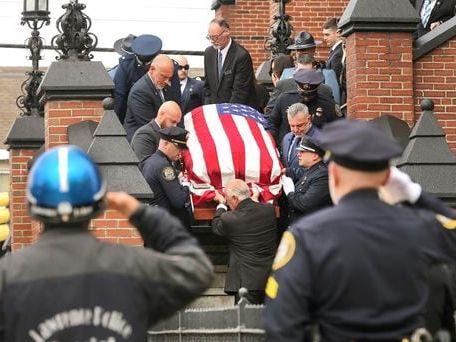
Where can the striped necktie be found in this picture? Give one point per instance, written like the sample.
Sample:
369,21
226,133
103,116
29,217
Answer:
220,62
426,11
292,149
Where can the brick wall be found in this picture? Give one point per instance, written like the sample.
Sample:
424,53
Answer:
380,75
20,224
113,227
435,78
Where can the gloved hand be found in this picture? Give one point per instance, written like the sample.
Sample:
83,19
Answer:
287,185
399,188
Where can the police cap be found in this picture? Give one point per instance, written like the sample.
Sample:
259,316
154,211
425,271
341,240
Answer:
358,145
308,79
176,135
146,46
310,144
123,45
304,40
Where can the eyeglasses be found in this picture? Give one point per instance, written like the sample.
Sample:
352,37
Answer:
216,36
185,67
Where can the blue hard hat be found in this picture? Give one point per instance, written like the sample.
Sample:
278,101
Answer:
65,185
146,45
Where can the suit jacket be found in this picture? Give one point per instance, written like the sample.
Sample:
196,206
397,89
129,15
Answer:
290,158
442,11
237,81
334,61
143,104
145,142
289,84
192,96
252,232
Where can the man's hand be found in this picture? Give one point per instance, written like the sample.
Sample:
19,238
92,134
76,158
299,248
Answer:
122,202
400,188
219,198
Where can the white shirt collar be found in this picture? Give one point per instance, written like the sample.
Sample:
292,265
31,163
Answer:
224,51
336,45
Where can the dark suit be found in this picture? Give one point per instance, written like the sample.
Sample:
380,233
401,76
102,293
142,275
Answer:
251,231
442,11
145,142
237,80
143,103
290,156
289,84
192,96
334,61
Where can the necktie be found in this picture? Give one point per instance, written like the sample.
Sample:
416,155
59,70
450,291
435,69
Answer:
220,62
292,149
160,92
426,12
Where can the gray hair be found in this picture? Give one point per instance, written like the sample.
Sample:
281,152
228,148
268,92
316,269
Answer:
297,108
238,188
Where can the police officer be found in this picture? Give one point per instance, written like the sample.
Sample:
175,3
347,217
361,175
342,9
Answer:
163,178
322,108
356,269
311,192
132,67
70,286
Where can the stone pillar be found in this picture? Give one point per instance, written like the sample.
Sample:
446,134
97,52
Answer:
25,137
379,58
73,92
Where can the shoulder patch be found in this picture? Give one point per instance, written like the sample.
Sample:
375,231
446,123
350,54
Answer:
285,251
272,287
446,222
168,173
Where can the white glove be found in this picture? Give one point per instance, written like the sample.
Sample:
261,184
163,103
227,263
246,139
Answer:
287,184
399,188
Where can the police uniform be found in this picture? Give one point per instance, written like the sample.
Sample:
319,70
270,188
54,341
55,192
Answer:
356,269
311,191
322,108
159,172
129,70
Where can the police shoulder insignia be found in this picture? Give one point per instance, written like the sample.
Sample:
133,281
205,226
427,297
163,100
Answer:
272,287
446,222
285,251
168,173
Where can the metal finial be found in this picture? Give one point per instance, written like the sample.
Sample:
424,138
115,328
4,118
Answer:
74,41
281,31
427,105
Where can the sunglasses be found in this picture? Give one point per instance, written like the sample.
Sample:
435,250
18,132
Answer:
185,67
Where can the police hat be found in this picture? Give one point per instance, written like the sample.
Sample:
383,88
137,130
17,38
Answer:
176,135
308,78
310,144
146,46
304,40
123,45
358,145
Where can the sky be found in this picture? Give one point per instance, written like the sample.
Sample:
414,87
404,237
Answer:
181,24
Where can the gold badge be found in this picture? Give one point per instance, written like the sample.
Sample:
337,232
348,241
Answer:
446,222
285,251
272,287
319,112
168,173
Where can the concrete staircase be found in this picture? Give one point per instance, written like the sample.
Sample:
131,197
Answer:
216,248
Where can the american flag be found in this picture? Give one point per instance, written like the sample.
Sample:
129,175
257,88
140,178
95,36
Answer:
228,141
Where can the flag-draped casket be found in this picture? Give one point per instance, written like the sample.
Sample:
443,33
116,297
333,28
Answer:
228,141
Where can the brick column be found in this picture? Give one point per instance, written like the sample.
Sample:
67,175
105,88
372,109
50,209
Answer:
25,137
379,58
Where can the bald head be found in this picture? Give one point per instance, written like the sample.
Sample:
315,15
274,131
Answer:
238,188
161,71
169,114
183,67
